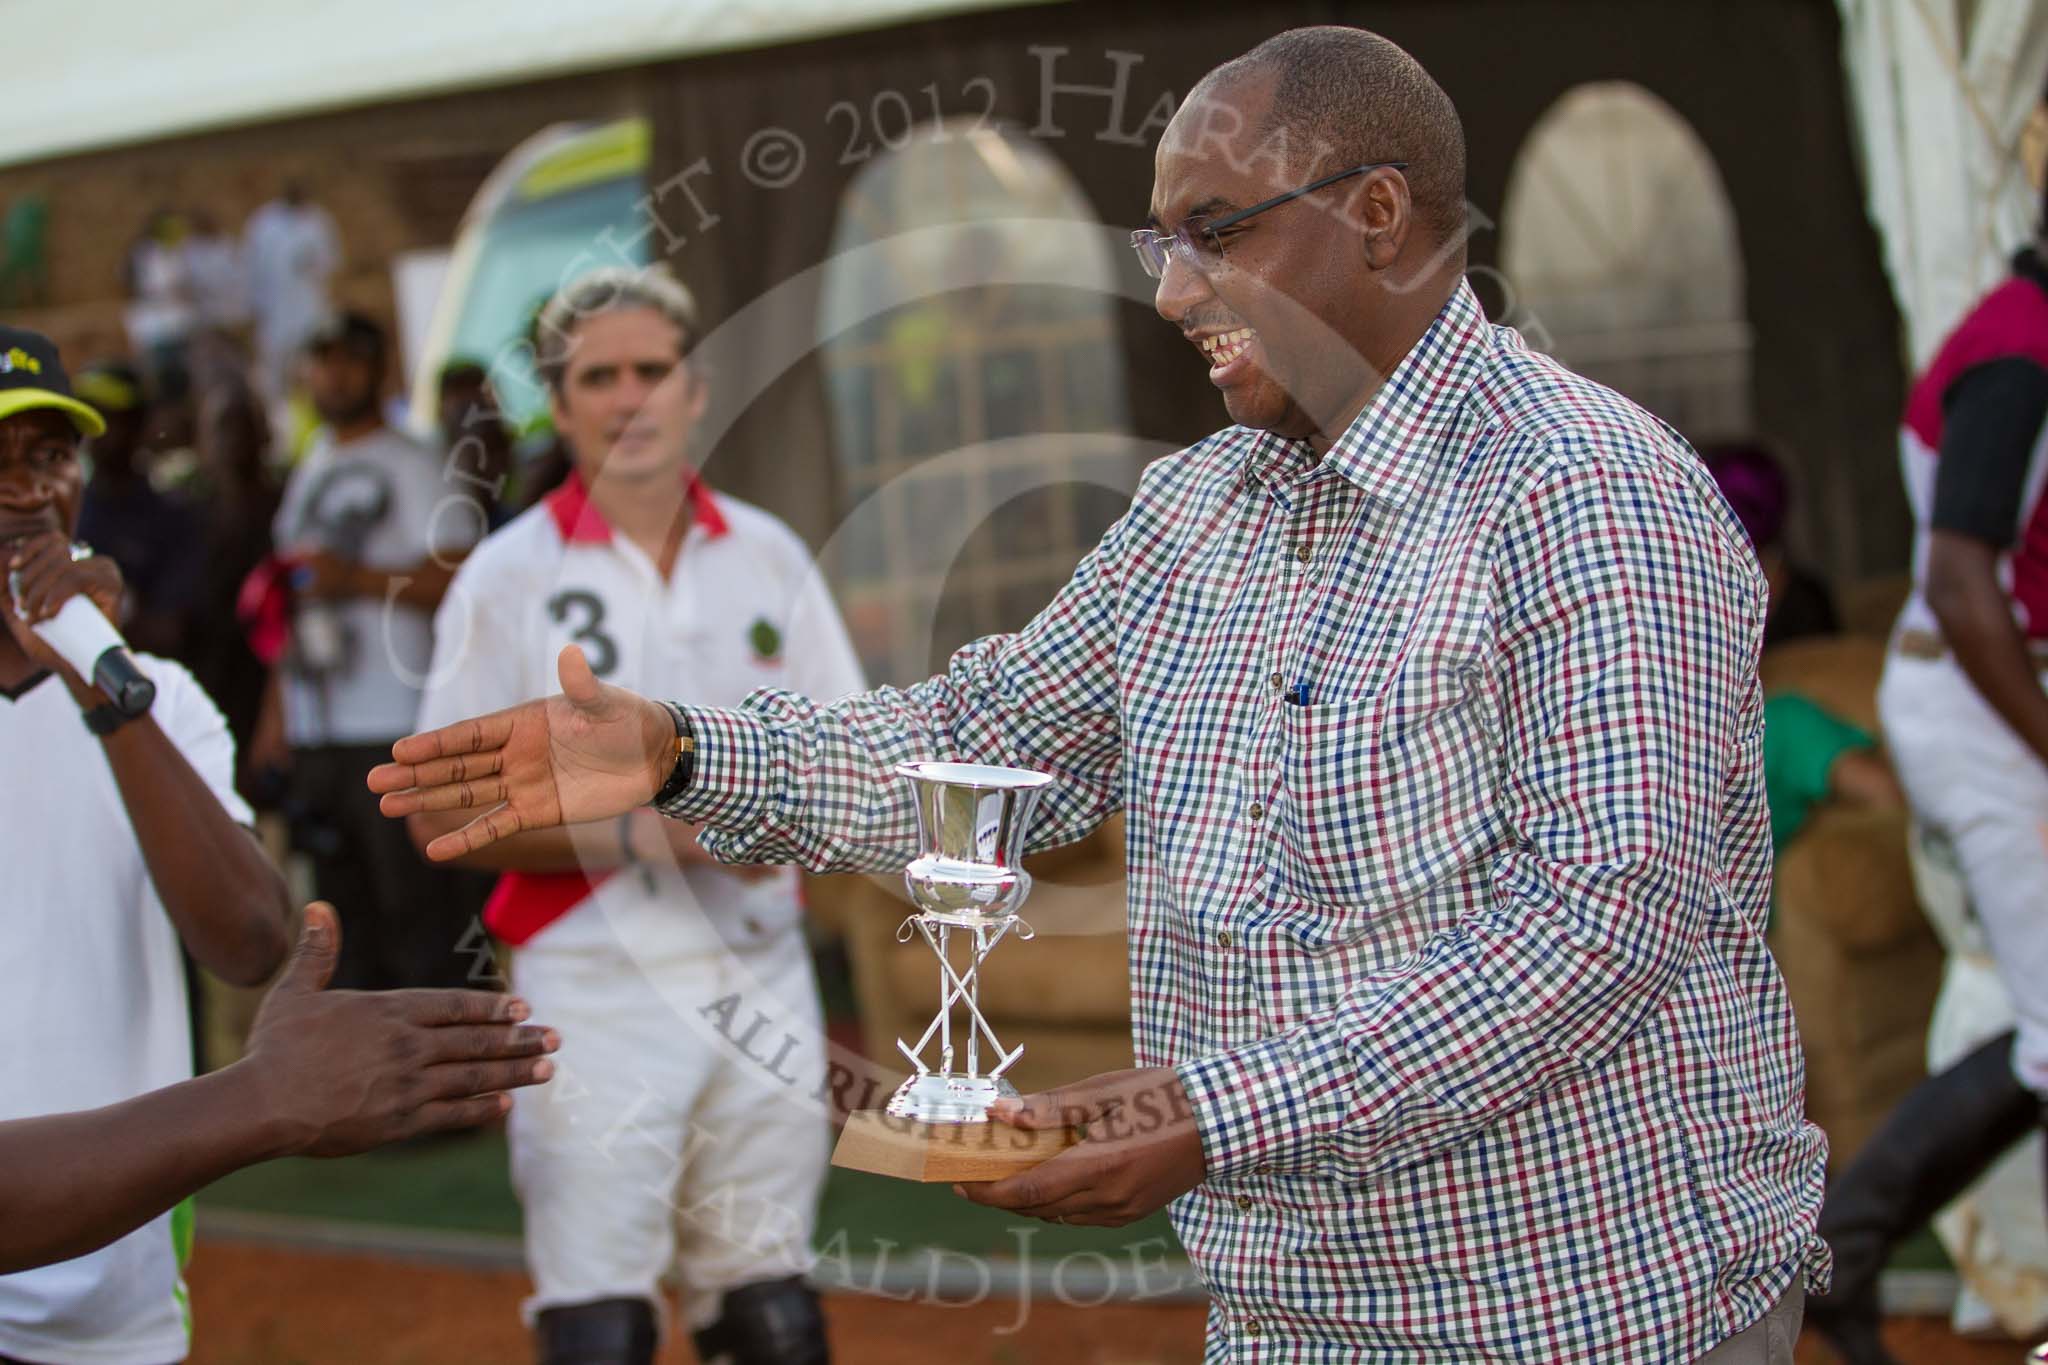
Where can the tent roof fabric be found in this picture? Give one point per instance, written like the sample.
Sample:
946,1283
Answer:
1943,92
103,73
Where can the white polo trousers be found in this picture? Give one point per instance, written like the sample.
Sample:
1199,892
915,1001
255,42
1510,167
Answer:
678,1130
1969,776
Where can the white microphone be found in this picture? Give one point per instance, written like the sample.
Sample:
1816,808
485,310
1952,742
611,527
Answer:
84,638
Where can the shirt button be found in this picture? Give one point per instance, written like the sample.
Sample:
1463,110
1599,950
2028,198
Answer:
1277,681
1256,811
1301,552
1251,1327
1244,1203
1263,1168
1224,939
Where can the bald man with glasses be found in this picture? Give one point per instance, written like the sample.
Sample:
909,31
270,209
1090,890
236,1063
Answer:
1428,688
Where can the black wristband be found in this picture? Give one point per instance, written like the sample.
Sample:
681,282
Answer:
686,761
106,718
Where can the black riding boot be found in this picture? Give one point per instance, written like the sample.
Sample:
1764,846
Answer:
1948,1131
776,1322
608,1332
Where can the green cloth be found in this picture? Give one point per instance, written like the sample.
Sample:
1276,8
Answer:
1801,743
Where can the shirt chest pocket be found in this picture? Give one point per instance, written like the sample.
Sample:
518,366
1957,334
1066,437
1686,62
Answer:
1383,797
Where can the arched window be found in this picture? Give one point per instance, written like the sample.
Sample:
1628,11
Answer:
968,341
1621,258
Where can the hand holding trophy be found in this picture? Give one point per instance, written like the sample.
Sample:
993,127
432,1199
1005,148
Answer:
966,881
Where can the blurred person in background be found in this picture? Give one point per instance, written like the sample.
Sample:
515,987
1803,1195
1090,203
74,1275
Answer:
123,841
545,470
160,314
291,250
367,525
1753,481
544,461
151,535
1811,755
235,499
622,926
1964,703
215,274
475,440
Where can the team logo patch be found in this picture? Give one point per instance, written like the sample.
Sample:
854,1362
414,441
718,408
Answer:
18,359
765,640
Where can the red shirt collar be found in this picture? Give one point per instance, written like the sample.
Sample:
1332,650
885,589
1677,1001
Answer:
581,523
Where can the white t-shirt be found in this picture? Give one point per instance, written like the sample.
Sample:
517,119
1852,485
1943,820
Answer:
743,609
219,284
380,500
161,313
92,997
290,252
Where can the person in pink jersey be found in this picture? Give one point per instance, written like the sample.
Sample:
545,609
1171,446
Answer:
1964,702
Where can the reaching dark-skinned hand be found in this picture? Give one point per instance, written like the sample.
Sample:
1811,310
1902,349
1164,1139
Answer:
343,1071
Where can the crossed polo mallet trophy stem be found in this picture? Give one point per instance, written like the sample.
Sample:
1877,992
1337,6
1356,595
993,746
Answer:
971,820
954,988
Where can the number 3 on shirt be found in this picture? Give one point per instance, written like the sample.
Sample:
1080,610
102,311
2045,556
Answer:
600,648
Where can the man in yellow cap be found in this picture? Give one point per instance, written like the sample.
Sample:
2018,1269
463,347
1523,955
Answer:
120,848
32,377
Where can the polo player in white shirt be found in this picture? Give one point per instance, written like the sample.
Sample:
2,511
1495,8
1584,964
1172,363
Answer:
682,1133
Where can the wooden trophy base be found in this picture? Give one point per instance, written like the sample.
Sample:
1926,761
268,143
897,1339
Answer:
877,1142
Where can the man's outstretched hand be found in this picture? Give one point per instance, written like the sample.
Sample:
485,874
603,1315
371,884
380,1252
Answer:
590,752
1141,1152
337,1072
327,1073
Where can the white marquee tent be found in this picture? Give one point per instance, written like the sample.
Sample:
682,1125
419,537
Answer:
100,73
1944,91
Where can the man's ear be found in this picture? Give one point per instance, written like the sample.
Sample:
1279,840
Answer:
697,394
557,413
1384,215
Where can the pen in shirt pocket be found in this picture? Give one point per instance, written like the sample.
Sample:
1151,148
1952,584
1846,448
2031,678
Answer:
1297,695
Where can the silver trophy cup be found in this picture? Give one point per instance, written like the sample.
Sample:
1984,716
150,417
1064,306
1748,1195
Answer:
966,879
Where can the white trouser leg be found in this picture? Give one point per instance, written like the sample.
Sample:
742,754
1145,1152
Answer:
749,1202
597,1152
1968,775
673,1110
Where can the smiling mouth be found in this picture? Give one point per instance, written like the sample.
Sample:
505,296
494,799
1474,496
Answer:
1222,348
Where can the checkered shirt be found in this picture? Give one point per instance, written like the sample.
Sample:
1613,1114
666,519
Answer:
1459,955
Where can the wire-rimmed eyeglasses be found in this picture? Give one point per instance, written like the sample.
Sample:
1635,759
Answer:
1200,244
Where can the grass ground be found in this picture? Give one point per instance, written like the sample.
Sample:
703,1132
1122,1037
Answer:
461,1185
269,1305
266,1304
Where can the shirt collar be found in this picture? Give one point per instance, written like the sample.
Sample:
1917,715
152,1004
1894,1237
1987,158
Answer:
1387,448
580,523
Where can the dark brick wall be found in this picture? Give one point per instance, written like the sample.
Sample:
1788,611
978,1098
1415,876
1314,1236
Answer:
396,177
